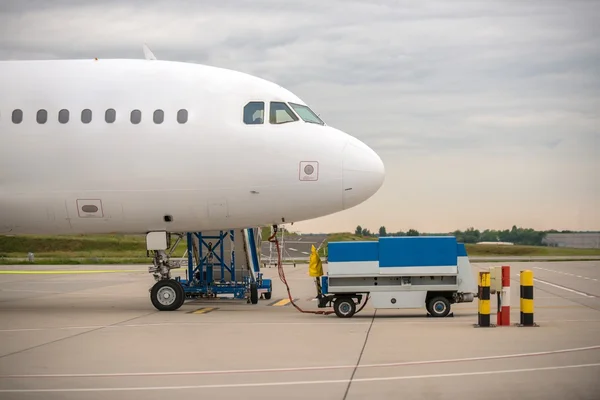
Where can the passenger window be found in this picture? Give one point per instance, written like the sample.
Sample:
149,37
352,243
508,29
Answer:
280,113
86,116
182,116
17,116
254,113
63,116
42,116
159,116
136,116
110,115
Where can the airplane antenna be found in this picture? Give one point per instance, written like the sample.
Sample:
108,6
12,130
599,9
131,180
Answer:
148,54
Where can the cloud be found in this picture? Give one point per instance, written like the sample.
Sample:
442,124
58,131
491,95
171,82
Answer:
497,82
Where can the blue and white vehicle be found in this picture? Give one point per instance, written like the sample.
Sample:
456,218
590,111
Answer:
398,272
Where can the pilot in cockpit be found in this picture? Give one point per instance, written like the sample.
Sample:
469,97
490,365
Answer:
254,113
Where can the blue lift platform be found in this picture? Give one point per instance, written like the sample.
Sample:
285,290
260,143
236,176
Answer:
201,280
216,267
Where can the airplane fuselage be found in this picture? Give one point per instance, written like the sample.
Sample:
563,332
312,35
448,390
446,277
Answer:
131,146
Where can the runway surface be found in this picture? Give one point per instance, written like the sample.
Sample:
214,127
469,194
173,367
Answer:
86,334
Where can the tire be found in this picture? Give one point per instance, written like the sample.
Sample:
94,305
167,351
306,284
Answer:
344,307
438,307
253,293
267,295
167,295
184,295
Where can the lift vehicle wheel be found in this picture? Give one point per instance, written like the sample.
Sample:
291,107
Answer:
344,307
438,306
253,293
167,295
267,295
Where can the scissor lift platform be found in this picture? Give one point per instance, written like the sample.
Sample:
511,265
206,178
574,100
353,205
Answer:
219,264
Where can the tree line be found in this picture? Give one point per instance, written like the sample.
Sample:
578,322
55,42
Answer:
516,235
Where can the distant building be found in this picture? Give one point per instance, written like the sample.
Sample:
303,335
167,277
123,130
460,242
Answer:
587,240
498,243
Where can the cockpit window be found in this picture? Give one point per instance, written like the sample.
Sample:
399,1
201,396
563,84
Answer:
254,113
280,113
307,114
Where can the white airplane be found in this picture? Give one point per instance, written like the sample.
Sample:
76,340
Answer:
153,147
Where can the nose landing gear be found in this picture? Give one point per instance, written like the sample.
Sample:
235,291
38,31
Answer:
167,295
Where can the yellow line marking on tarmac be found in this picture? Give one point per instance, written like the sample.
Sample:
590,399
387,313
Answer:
66,272
204,310
281,303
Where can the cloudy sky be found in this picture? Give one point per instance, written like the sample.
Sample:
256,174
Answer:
486,113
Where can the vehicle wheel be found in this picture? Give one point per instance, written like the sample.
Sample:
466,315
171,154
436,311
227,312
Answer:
344,307
438,306
253,293
167,295
267,295
184,295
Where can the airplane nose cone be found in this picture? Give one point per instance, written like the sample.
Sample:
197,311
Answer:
363,173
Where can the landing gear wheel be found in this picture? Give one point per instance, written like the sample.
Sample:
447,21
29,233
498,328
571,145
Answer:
184,295
253,293
438,307
344,307
167,295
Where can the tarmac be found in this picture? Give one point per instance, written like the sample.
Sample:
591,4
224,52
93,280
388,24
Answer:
90,332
